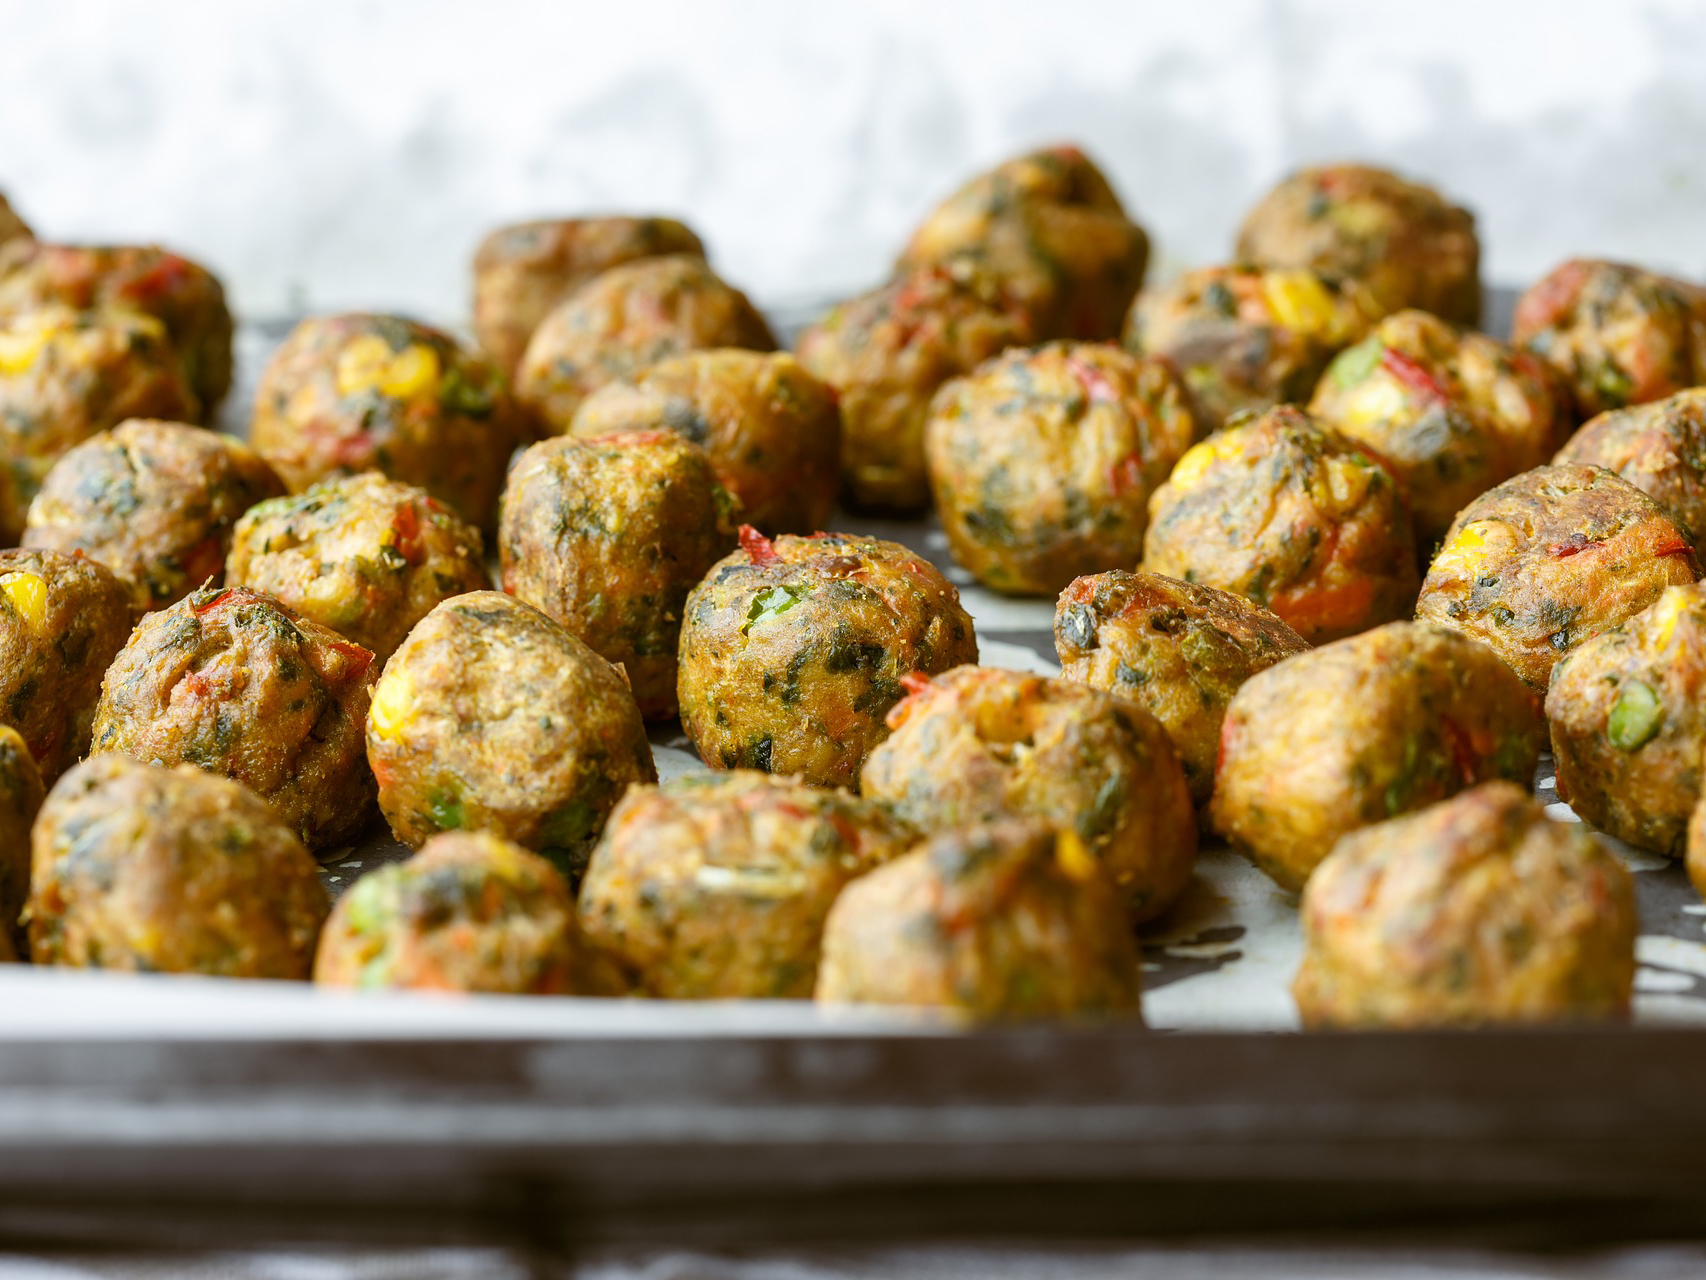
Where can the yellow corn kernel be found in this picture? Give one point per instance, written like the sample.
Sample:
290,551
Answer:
1299,301
1662,617
393,700
1347,482
1199,458
28,595
369,364
1074,856
413,370
1372,402
19,349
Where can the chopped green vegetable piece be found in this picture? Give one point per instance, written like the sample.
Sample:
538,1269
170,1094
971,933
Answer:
463,396
770,603
1352,366
1635,717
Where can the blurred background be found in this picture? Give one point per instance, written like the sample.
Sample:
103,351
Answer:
331,154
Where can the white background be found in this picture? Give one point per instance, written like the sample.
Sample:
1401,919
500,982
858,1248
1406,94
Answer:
324,155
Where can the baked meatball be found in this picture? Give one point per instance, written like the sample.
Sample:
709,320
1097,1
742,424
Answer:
154,502
469,912
1006,921
1618,335
20,798
978,744
1042,462
365,556
716,887
169,871
1245,338
1406,243
522,271
1351,734
887,351
793,652
1627,711
1292,515
1477,911
1178,650
607,535
63,618
491,717
11,225
1659,447
1548,558
67,375
628,318
773,430
1049,225
235,682
1450,413
183,296
352,393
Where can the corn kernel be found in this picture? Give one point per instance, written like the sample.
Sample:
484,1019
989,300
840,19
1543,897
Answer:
1199,458
1299,301
28,596
393,699
18,350
368,364
412,371
1665,614
1074,856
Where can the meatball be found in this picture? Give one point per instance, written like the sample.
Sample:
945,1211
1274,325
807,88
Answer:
717,887
626,319
183,296
773,430
1660,448
793,652
1049,225
1628,716
1537,565
469,912
491,717
68,375
1178,650
364,556
11,225
20,798
1450,413
1479,910
1043,462
607,535
63,618
522,271
154,502
1618,335
1359,731
1696,846
1404,242
1245,339
1293,516
235,682
887,351
352,393
169,871
1006,921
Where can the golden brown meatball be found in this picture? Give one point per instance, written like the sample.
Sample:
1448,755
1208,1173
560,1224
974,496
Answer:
1007,921
154,502
1628,716
169,871
1049,225
1244,338
1450,413
1539,564
1043,462
607,536
1477,911
773,430
353,393
1351,734
1177,650
20,798
1696,847
235,682
1293,516
887,351
67,375
977,745
625,320
1406,243
63,618
716,887
491,717
469,912
365,556
522,271
1659,447
11,225
793,652
1619,335
183,296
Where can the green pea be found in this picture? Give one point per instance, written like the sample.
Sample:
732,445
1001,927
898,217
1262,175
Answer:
1635,717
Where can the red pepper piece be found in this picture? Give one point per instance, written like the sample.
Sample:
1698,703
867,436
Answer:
1413,374
1674,545
406,525
915,682
1126,474
209,606
1093,380
1574,545
759,549
1462,748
